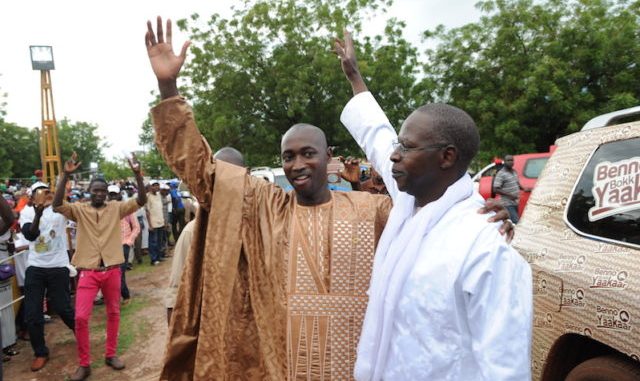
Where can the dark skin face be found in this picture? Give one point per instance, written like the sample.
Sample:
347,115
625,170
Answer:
155,188
98,192
304,160
427,169
508,161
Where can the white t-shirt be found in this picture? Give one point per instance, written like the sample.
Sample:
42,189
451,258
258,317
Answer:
50,248
20,258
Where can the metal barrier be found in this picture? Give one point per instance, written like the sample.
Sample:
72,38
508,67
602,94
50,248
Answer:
14,301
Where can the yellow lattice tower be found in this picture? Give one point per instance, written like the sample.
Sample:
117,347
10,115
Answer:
42,59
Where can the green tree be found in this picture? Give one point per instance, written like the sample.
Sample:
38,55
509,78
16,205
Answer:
83,138
116,169
270,65
153,165
19,151
531,71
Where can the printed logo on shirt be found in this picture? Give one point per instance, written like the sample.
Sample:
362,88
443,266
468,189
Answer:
634,356
571,263
613,318
42,246
609,279
573,298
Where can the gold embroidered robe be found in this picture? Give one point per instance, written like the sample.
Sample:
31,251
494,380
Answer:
271,290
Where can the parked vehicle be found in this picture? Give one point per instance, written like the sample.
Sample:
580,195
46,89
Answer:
581,234
528,166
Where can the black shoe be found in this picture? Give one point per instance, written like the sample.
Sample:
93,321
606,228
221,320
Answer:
81,373
114,362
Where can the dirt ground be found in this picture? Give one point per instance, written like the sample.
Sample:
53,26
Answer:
143,331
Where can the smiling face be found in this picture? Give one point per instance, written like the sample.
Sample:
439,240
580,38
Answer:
304,160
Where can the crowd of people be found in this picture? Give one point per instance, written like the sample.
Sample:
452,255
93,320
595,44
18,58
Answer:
404,281
71,250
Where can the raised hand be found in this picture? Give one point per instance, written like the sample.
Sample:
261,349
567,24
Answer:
347,55
345,51
351,172
134,164
72,164
165,64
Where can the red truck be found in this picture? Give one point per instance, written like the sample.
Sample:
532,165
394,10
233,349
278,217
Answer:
528,166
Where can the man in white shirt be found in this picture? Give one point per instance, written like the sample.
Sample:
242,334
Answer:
448,299
46,269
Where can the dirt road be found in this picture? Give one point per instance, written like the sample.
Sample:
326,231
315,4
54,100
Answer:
141,343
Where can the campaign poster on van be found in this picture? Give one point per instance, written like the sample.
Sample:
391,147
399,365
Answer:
616,188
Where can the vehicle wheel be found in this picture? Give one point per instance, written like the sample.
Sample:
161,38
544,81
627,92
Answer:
606,368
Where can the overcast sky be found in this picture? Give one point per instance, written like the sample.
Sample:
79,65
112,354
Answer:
102,73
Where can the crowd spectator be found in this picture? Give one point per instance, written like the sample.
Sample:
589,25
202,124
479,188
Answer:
166,213
99,257
47,269
507,186
156,222
178,220
130,229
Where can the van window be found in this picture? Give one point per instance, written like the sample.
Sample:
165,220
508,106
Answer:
606,199
533,167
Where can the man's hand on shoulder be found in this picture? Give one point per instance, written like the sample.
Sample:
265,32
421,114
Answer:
501,215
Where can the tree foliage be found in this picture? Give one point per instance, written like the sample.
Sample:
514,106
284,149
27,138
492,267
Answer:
153,165
19,151
531,71
270,66
83,138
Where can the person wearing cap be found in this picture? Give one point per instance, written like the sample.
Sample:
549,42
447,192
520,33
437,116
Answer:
47,269
130,229
156,221
98,257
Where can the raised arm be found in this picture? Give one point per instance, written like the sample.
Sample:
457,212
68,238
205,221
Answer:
165,64
135,167
6,216
70,166
177,137
345,51
364,118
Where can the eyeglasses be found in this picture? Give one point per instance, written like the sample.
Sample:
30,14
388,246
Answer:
398,145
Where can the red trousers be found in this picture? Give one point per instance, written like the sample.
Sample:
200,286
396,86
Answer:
89,283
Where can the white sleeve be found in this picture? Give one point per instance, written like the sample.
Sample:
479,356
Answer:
370,127
27,214
497,288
